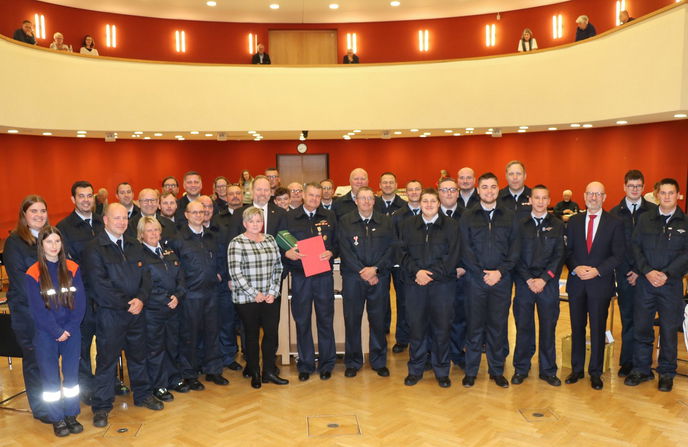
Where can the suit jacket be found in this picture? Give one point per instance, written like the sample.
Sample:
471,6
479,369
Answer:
277,221
346,60
607,252
256,59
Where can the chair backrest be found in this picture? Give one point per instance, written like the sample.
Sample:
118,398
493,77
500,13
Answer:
8,342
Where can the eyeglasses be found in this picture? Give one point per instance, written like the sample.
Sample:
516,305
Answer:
169,185
634,186
445,190
148,201
597,195
196,213
296,190
272,176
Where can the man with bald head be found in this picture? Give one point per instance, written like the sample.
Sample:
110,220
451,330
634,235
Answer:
468,196
119,285
564,209
594,248
347,202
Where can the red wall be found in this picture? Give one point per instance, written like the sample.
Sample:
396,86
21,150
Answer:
563,159
221,42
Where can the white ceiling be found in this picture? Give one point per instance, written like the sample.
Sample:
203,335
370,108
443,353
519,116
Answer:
302,11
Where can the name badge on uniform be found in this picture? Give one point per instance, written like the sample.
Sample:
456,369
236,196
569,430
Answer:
355,240
546,229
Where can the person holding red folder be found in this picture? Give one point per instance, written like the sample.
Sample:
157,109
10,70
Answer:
312,220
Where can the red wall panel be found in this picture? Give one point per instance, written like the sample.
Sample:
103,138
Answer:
220,42
563,159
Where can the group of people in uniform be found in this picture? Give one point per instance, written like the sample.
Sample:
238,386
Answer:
154,281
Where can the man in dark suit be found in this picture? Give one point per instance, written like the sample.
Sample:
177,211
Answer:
261,57
594,248
275,217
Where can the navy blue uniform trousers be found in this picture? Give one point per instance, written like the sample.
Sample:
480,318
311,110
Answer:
430,310
199,347
401,334
487,312
306,292
162,335
457,345
357,295
547,303
626,294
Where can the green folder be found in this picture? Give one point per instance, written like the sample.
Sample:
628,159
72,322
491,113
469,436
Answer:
285,240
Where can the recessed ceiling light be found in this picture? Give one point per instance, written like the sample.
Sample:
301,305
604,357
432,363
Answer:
274,6
575,125
490,129
138,132
397,132
157,134
489,132
178,136
346,137
394,3
457,134
469,129
680,115
13,131
211,3
146,138
81,136
334,6
521,131
448,131
587,126
621,122
427,133
351,134
523,127
81,131
47,134
251,131
194,132
414,130
423,136
551,128
357,131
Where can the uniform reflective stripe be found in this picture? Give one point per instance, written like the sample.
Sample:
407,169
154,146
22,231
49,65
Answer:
70,392
51,397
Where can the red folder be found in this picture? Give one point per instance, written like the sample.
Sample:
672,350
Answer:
312,248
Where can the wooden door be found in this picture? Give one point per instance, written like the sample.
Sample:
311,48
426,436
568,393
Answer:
302,168
303,47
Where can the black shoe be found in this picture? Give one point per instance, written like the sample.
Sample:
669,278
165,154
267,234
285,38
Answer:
596,382
635,378
217,379
412,379
325,375
163,395
382,372
574,377
398,348
468,381
100,418
666,383
518,379
151,403
304,376
444,382
60,429
256,381
73,425
195,384
274,378
500,381
181,387
234,366
246,373
625,370
551,380
350,372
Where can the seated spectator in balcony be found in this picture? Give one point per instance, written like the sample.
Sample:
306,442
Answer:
350,57
261,57
624,17
58,43
282,198
25,33
585,28
567,207
527,42
87,46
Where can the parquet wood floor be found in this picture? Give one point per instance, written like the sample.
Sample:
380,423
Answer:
387,412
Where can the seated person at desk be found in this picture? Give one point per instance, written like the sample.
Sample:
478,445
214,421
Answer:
87,46
25,33
58,43
261,57
527,42
350,57
567,207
